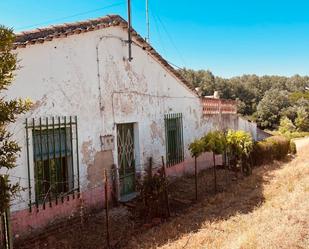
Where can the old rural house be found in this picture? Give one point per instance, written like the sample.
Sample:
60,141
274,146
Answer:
94,108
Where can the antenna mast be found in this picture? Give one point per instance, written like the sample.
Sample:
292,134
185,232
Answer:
147,22
129,31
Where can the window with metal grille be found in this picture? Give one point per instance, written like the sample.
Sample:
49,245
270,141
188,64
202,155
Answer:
55,158
174,139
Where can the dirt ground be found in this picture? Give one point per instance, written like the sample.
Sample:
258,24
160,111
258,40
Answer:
269,209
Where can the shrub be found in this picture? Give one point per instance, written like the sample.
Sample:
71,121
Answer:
272,148
286,125
302,120
239,142
239,147
151,197
293,149
196,148
214,141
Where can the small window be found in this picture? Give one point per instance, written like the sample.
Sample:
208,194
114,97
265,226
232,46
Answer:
174,139
54,143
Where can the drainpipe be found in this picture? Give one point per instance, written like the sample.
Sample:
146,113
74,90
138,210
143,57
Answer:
101,108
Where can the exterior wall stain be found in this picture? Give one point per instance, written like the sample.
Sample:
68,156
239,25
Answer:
197,125
156,132
87,152
37,104
102,160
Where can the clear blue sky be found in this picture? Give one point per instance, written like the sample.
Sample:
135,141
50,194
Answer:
227,37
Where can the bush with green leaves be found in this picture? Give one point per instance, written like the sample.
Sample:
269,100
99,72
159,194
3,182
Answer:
196,148
239,147
214,141
293,149
286,125
272,148
302,120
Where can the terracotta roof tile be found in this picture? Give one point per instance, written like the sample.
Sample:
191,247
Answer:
48,34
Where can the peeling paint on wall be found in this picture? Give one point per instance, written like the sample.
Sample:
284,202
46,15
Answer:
87,152
102,160
156,132
39,103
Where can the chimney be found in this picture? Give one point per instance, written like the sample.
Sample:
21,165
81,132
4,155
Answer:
216,95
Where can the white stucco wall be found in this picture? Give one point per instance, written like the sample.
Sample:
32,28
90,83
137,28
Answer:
247,126
72,76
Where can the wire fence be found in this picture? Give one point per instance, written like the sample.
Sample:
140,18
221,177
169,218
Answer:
104,191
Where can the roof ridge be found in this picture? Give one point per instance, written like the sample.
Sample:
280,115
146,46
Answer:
29,35
40,35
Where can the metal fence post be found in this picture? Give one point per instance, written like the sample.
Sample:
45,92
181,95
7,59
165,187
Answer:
165,189
6,240
105,180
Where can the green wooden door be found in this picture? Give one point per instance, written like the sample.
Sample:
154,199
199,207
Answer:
126,158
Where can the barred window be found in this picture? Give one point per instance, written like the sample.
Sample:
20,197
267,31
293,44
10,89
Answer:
56,169
174,139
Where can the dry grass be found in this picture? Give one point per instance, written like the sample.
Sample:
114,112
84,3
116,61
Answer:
269,209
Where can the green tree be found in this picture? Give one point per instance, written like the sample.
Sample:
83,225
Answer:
262,99
286,125
270,107
9,109
214,142
302,120
196,149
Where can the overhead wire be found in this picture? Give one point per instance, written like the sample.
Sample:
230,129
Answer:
168,35
172,41
158,32
71,16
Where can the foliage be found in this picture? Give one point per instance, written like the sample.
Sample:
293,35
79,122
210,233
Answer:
290,135
239,142
295,96
9,109
293,149
272,148
264,99
151,189
239,147
214,141
196,148
302,120
286,125
269,108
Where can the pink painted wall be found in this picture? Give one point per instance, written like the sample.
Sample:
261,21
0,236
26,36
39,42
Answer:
187,167
25,222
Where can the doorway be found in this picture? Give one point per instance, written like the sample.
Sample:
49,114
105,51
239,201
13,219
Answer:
126,158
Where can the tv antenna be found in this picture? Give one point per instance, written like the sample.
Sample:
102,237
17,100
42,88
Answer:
147,22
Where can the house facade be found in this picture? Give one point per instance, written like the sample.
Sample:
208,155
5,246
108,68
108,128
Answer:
94,111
